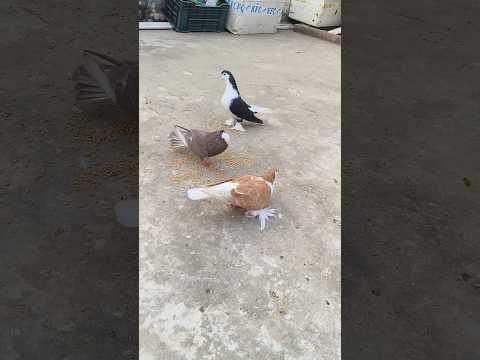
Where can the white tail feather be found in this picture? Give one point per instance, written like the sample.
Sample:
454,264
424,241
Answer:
220,191
197,194
259,109
175,141
177,138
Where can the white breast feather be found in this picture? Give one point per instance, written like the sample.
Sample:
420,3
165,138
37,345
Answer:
229,94
269,185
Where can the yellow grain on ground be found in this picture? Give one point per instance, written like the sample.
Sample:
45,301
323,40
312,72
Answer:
123,128
187,167
183,159
98,174
236,161
189,176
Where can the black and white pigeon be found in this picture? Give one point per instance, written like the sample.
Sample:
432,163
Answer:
233,102
204,144
102,77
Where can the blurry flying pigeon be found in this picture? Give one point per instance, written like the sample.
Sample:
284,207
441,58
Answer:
251,193
101,77
202,143
239,109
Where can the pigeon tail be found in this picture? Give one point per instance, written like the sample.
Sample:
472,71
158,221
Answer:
197,194
264,215
178,137
254,119
260,110
220,191
175,141
93,83
87,87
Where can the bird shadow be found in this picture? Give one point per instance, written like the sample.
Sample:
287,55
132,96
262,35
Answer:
218,213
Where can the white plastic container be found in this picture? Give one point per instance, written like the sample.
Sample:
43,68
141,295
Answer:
318,13
254,17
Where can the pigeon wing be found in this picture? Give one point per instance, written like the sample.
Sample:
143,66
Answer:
215,144
198,144
98,71
125,81
253,193
184,134
221,182
240,108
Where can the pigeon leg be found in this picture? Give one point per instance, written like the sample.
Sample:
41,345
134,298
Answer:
233,206
238,126
206,162
264,215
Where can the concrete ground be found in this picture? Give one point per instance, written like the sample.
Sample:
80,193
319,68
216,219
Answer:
212,285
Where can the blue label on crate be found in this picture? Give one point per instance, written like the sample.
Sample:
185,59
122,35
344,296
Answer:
253,9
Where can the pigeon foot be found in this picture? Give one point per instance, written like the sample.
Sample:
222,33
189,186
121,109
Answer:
206,163
264,215
238,126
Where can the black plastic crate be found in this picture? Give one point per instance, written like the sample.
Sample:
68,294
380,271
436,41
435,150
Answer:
185,16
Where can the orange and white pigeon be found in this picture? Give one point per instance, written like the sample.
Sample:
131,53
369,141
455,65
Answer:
249,192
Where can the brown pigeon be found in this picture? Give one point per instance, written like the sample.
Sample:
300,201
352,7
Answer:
102,77
251,193
204,144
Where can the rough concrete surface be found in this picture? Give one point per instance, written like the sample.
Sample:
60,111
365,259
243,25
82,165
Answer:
212,285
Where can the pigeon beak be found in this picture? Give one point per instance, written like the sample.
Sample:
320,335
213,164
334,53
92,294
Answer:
226,137
270,175
275,173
